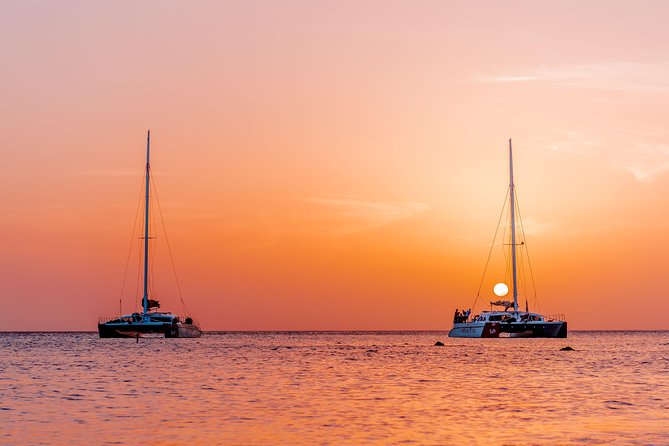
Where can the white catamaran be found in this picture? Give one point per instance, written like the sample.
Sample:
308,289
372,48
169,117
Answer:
509,322
150,322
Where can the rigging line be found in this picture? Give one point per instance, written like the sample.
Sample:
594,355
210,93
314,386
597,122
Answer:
506,241
153,249
169,249
527,252
521,257
523,275
492,246
139,267
521,260
132,241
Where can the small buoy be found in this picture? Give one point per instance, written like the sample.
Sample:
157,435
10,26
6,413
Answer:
438,344
567,349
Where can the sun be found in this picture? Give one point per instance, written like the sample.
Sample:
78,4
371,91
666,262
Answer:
500,289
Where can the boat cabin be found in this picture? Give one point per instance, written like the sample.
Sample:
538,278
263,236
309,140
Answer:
164,318
507,316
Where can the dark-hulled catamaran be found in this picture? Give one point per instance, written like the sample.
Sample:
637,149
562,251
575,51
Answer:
150,322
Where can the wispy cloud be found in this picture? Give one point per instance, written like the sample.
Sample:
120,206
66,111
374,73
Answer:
645,161
123,173
108,173
506,78
622,76
636,150
639,155
365,214
569,141
533,227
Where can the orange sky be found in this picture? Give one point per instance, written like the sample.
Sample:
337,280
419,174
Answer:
334,165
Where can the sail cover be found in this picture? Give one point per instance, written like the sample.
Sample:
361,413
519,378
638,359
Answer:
500,303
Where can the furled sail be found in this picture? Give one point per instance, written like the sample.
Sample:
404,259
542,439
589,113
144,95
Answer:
502,303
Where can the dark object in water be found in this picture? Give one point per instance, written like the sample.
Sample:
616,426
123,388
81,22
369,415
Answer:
567,349
438,344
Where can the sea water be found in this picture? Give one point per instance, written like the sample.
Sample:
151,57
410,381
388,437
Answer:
334,388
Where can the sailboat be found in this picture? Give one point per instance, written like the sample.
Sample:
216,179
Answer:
150,322
509,322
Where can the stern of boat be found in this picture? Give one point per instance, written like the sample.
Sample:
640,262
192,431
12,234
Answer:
468,330
188,331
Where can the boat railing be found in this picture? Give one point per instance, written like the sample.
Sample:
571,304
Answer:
559,317
104,320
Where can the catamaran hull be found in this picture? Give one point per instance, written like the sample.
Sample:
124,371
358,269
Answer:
148,331
188,331
469,331
554,329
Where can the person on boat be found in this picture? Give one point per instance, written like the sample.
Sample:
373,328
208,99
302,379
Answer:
456,316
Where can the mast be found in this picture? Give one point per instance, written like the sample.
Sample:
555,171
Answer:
145,299
513,229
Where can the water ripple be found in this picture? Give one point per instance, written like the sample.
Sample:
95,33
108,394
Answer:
334,388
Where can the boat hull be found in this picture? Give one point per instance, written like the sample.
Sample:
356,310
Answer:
188,331
539,329
139,330
467,331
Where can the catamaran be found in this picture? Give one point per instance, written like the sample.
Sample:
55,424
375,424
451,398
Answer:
510,322
150,322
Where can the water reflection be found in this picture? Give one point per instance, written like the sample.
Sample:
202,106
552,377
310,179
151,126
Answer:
334,388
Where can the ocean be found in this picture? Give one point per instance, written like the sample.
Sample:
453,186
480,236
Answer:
321,388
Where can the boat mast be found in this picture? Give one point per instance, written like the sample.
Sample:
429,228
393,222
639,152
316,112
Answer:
145,299
513,228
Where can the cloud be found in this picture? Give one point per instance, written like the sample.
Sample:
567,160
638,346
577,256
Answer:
364,214
123,173
641,152
645,161
533,227
502,79
568,141
621,76
645,157
109,173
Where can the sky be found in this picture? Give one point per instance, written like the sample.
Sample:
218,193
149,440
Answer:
333,165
